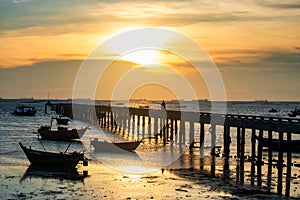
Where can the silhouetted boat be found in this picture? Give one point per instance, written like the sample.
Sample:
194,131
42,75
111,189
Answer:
294,113
201,100
294,145
261,101
144,107
23,110
103,146
43,158
273,110
61,133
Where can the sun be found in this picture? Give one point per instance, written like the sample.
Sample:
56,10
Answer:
144,46
144,57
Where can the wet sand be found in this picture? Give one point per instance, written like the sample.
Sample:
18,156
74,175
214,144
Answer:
105,183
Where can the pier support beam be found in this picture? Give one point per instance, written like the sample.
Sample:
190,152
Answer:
213,149
242,158
253,147
289,165
191,139
259,158
270,159
280,163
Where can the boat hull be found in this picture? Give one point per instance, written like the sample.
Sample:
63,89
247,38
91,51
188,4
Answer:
61,134
103,146
29,113
23,110
42,158
293,147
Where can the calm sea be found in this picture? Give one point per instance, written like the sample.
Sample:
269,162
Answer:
15,129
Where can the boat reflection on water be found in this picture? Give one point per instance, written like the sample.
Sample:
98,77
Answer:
34,171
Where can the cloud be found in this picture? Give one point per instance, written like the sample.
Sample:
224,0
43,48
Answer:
283,5
21,1
16,16
283,57
39,79
250,60
262,61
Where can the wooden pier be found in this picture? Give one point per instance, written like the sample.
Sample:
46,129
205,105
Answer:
167,126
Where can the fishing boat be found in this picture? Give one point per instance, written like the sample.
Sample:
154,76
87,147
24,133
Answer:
273,110
294,113
44,158
61,133
23,110
104,146
294,145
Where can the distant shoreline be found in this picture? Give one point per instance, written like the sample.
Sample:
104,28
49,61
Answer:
153,100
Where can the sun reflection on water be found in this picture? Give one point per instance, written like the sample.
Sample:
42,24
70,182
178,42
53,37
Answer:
134,170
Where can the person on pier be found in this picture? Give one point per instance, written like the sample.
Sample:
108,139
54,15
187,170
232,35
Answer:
163,105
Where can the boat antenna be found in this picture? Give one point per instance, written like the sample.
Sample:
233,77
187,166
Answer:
68,147
43,145
51,122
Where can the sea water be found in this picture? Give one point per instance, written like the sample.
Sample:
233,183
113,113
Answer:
15,129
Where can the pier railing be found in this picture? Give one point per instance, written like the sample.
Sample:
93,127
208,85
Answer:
179,127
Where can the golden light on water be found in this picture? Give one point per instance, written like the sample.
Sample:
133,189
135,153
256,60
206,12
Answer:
136,170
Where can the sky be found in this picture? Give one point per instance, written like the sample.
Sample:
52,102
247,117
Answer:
255,46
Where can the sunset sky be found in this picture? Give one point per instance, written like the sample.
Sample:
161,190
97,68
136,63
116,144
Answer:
254,44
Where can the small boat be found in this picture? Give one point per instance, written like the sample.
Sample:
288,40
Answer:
61,133
144,107
44,158
23,110
294,145
264,101
201,100
104,146
294,113
62,120
273,110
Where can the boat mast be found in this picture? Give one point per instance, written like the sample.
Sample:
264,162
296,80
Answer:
43,146
67,147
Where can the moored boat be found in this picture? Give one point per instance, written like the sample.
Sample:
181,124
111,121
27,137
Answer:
61,133
23,110
104,146
293,147
294,113
273,110
44,158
